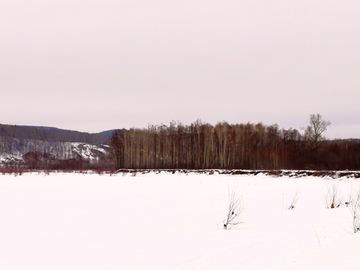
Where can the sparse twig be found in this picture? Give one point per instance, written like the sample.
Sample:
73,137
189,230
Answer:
332,199
317,236
355,210
355,213
294,200
235,207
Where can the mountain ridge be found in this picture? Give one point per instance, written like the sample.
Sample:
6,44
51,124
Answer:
53,134
103,133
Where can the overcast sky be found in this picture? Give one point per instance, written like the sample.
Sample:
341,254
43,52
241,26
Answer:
92,65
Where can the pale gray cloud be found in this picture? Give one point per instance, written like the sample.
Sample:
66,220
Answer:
96,65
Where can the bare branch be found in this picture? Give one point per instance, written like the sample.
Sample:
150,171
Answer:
332,199
235,207
316,128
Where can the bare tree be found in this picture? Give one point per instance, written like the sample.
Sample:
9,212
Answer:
316,128
117,149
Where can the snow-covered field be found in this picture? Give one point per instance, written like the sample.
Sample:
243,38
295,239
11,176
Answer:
174,221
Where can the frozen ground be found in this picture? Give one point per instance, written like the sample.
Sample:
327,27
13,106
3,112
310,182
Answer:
173,221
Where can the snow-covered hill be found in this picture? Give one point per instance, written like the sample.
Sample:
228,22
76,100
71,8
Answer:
89,151
13,153
6,158
49,144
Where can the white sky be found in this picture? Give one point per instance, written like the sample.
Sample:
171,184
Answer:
96,65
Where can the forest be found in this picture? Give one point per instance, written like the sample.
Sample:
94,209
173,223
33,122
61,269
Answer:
233,146
199,145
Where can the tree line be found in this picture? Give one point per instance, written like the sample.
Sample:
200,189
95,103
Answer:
232,146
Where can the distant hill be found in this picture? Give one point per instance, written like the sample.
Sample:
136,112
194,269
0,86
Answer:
107,133
19,143
52,134
348,139
46,128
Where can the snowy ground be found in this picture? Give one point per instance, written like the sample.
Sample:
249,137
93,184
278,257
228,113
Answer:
173,221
